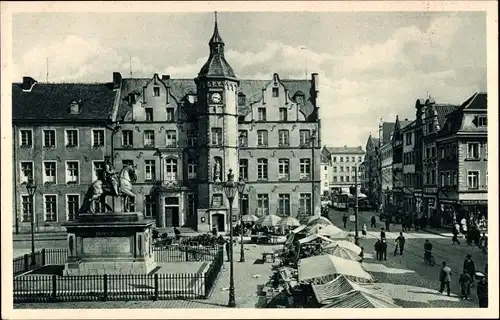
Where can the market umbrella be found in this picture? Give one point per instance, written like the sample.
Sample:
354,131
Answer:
249,218
289,222
270,220
346,245
299,229
341,252
330,231
328,265
318,220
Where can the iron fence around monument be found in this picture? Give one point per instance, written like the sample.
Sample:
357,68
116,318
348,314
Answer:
33,287
24,264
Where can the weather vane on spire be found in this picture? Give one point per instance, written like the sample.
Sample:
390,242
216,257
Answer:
215,16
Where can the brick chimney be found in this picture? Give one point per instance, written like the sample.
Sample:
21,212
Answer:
28,83
117,80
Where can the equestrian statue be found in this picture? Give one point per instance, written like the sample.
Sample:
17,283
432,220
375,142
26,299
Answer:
110,183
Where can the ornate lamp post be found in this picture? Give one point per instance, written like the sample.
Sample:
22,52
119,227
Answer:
241,188
230,187
31,188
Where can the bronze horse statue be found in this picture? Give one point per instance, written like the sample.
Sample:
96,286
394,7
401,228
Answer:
102,188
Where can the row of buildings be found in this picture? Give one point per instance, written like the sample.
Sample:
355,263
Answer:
339,165
183,135
435,165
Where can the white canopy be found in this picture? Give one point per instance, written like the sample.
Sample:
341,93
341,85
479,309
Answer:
329,231
313,237
299,229
325,265
344,244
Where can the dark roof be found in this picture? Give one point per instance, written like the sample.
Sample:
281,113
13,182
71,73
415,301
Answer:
345,150
217,66
51,101
404,123
454,119
442,111
407,127
387,129
477,101
252,89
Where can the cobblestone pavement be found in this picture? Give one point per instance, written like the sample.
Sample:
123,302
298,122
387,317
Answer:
418,288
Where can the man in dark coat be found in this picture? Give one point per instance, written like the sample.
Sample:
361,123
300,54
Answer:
401,243
469,266
482,293
378,249
445,278
465,283
382,234
384,249
387,224
373,223
344,220
227,250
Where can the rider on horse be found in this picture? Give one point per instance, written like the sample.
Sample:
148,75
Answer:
110,175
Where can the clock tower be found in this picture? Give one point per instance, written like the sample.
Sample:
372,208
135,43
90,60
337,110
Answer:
217,126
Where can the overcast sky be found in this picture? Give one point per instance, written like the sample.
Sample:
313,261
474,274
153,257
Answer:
370,65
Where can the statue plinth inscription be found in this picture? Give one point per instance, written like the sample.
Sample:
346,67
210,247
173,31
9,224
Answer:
110,243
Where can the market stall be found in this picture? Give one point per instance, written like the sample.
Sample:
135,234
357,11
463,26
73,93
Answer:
324,268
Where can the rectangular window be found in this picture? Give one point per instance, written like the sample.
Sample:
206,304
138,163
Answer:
305,137
127,138
49,172
341,178
72,206
27,207
262,138
334,159
335,179
191,204
283,169
26,171
283,138
241,100
334,169
473,150
244,169
261,114
49,138
156,91
150,206
171,138
170,115
276,92
71,138
262,204
473,179
262,169
191,169
244,205
305,202
347,169
341,159
98,138
341,169
347,179
72,173
192,139
216,136
442,179
98,170
359,159
149,138
243,138
448,178
482,121
454,181
217,200
170,169
283,204
26,138
442,152
149,114
127,162
150,170
50,208
305,168
283,114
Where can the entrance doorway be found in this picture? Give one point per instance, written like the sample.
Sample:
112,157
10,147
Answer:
172,212
218,220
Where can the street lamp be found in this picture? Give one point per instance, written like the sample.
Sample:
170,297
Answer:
31,188
356,237
230,187
241,188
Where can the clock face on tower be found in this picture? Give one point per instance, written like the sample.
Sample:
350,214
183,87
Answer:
216,97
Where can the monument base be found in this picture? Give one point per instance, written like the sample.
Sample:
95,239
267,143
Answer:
110,243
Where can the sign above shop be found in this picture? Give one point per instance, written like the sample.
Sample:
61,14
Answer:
474,202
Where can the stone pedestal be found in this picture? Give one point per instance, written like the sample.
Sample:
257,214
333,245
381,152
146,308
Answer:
109,243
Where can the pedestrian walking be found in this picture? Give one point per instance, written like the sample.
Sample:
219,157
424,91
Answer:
382,234
400,240
384,249
469,266
373,223
465,282
445,278
344,220
378,249
482,293
361,255
483,241
454,239
387,224
363,230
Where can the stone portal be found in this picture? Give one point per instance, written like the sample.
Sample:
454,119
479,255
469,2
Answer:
110,243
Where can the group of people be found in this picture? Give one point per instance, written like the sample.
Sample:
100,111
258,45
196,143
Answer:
381,246
465,280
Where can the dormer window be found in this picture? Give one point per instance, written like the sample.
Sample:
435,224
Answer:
191,98
74,107
156,91
276,92
299,98
241,99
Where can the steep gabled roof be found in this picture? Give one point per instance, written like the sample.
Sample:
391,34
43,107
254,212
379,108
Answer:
51,101
454,119
442,110
387,129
